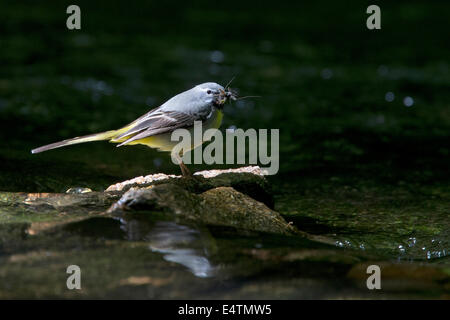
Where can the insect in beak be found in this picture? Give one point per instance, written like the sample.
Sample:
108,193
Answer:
231,94
224,95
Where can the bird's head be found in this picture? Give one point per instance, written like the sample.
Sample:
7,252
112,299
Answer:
214,93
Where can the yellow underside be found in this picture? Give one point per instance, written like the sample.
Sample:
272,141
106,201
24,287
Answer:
162,141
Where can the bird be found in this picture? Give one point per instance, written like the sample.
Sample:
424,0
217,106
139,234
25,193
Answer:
204,103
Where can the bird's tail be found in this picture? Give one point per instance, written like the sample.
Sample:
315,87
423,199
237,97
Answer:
92,137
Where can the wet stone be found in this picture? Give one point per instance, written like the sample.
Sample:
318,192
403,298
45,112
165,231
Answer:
70,201
19,203
248,180
218,206
78,190
240,198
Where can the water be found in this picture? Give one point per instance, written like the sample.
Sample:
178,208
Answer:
364,143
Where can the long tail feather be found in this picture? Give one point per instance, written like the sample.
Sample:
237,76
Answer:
92,137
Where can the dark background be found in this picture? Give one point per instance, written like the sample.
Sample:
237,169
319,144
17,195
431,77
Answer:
322,75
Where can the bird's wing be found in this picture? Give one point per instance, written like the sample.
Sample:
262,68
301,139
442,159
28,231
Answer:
157,122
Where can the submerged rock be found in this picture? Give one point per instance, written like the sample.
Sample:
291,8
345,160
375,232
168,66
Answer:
70,200
70,203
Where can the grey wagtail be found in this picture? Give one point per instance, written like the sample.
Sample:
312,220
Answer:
203,103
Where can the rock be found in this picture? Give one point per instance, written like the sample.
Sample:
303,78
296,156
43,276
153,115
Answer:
78,190
239,198
248,180
229,207
214,173
64,202
223,206
255,186
140,181
167,197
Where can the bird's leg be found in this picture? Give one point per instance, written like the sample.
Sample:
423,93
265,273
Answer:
184,170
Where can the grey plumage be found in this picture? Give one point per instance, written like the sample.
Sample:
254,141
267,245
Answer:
180,111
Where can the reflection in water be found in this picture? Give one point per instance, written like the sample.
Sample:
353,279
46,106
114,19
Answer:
177,243
167,238
199,265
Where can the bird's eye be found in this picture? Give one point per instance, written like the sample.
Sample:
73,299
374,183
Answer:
208,92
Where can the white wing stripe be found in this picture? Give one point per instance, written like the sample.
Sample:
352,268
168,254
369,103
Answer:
158,115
